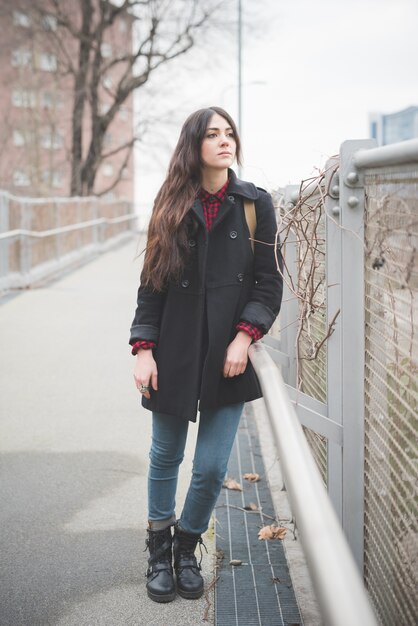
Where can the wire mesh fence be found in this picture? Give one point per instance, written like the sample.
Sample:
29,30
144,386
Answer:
307,221
391,424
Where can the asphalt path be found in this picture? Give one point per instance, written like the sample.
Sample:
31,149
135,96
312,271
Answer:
74,447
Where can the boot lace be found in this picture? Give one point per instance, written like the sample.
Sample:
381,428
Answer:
187,546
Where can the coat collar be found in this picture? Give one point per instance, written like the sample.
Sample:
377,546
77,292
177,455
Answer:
241,187
236,187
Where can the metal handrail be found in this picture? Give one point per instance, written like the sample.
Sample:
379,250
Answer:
335,577
61,199
40,234
392,154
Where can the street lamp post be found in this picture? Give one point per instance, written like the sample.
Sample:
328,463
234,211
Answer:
239,73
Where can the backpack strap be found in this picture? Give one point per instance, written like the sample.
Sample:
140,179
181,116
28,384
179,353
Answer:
251,219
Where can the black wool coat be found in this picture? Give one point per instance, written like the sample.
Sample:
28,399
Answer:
194,320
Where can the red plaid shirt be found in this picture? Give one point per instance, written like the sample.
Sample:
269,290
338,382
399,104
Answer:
211,203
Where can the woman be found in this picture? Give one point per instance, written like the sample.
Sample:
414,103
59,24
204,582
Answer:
205,295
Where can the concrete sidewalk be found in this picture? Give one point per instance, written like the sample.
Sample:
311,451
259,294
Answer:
74,449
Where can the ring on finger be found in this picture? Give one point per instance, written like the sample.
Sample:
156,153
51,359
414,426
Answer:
143,388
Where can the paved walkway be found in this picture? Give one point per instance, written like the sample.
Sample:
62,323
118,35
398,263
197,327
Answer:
73,460
73,451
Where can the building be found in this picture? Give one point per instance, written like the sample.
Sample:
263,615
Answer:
394,127
37,102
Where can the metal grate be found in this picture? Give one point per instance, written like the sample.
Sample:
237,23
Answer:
260,591
391,424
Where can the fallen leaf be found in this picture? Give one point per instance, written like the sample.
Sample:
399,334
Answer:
231,483
272,532
251,507
235,562
219,556
252,478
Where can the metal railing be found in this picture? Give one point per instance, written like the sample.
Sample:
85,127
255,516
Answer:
359,401
41,237
335,577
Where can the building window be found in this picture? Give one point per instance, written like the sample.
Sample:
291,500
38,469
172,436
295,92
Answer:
21,58
23,138
21,19
24,98
52,178
21,178
47,100
52,139
107,139
107,169
122,26
48,62
49,22
18,138
57,179
59,100
125,172
52,100
373,130
106,50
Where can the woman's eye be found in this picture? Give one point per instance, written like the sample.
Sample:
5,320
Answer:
211,135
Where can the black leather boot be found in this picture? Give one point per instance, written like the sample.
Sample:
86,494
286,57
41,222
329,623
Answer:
189,578
160,581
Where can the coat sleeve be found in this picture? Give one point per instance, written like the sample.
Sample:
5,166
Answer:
265,299
146,323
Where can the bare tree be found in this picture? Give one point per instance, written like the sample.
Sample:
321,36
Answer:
106,51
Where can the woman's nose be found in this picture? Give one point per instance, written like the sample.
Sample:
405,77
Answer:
224,139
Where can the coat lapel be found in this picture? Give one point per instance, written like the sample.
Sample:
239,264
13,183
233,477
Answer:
241,187
197,209
226,206
237,189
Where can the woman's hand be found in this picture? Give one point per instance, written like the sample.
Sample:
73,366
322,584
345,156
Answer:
236,356
145,371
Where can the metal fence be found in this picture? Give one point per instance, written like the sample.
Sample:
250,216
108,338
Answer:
41,237
391,367
341,596
350,357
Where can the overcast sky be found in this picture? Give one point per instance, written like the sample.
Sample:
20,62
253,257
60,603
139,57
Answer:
312,72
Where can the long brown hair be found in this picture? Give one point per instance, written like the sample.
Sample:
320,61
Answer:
167,245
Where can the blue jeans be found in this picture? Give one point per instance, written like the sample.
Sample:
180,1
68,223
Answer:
217,429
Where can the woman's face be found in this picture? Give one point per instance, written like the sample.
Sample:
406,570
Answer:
218,146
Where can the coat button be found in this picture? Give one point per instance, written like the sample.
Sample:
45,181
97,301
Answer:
231,198
185,283
240,277
192,243
233,234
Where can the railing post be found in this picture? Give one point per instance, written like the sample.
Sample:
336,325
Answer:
290,311
57,211
351,203
25,244
4,226
333,314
